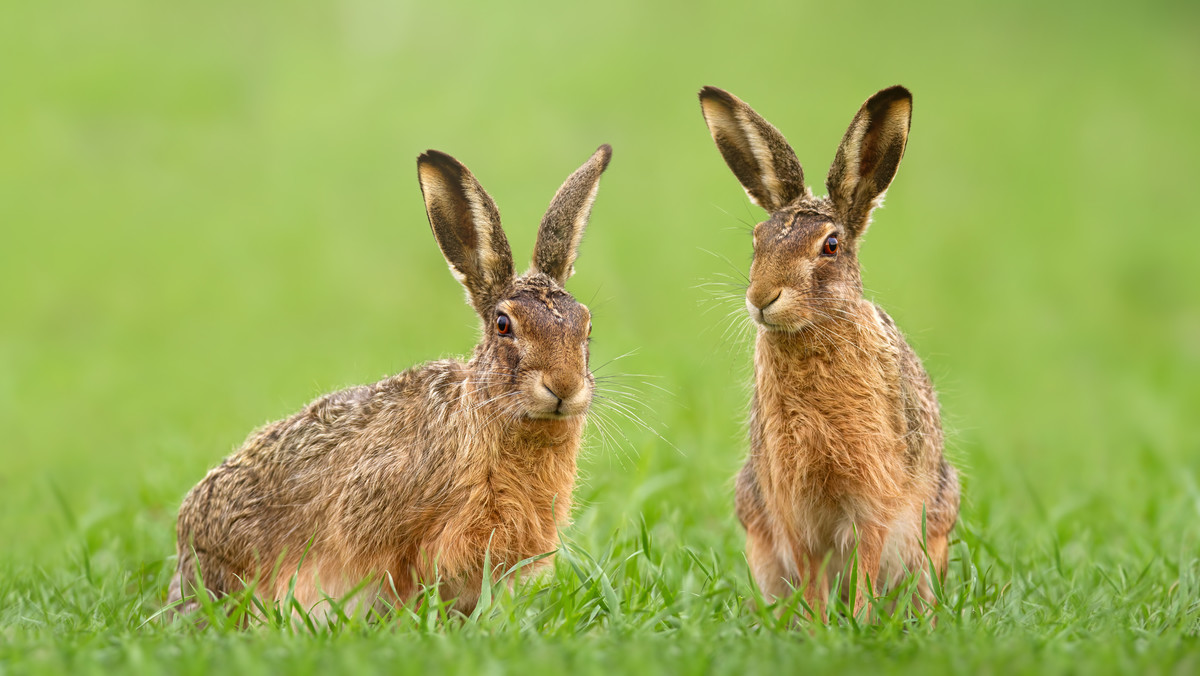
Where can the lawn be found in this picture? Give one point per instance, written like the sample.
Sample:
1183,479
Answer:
210,216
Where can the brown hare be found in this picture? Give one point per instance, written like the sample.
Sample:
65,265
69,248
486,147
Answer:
845,434
413,479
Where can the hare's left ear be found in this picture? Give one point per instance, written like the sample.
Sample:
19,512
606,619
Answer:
562,227
869,156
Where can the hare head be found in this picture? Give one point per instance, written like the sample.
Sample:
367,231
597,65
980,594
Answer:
805,264
534,349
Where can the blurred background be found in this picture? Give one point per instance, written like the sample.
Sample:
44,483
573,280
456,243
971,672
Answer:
209,215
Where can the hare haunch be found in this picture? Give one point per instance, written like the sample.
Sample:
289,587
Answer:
845,434
412,479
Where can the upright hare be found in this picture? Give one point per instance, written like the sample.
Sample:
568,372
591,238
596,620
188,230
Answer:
845,433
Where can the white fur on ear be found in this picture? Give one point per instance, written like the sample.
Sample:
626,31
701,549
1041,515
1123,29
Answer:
850,150
485,253
761,152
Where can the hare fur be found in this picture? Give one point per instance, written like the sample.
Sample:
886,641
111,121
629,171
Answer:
846,445
412,479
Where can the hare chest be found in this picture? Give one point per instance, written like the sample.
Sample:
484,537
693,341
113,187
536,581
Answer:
508,514
829,446
505,519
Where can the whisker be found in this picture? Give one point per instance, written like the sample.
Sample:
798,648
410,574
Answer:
626,379
615,359
636,419
728,262
606,426
747,225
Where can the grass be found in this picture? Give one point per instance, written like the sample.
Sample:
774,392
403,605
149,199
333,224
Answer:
210,216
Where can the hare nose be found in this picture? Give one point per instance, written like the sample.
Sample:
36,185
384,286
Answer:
761,299
561,388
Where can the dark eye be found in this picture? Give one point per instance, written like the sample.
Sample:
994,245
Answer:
589,329
503,325
831,246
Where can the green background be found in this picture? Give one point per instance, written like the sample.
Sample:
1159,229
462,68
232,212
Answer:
209,215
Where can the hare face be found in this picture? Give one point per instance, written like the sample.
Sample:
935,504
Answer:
535,347
805,256
539,335
804,271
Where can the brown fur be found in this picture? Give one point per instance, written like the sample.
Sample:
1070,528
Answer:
845,433
413,478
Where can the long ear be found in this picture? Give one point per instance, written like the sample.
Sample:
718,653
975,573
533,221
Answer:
466,224
562,226
756,152
869,156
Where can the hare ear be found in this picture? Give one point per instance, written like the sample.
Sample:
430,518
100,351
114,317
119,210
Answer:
466,224
869,156
756,152
562,227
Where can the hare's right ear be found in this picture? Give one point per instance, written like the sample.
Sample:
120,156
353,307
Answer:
756,152
466,224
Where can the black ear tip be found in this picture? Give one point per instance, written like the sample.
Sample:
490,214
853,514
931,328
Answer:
885,100
432,156
440,160
894,93
709,92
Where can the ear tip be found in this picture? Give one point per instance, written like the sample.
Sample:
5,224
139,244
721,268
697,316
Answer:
605,154
709,93
440,163
895,93
437,158
893,100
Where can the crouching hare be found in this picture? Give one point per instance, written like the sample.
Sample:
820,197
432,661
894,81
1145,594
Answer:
845,434
413,479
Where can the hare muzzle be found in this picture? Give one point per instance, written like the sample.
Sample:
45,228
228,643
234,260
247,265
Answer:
562,395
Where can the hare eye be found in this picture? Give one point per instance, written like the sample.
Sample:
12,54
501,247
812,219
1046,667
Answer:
503,325
831,246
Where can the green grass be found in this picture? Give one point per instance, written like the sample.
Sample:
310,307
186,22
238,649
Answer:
210,215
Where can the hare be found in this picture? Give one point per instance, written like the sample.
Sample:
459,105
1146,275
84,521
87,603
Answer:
845,434
411,480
